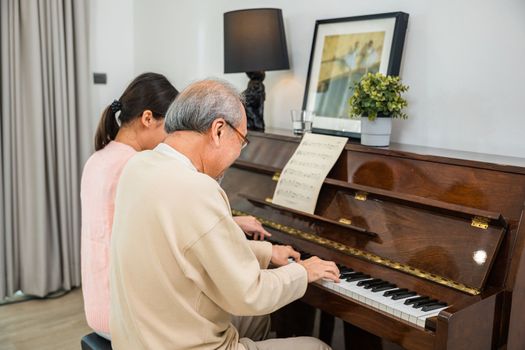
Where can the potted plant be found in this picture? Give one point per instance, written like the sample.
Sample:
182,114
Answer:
376,100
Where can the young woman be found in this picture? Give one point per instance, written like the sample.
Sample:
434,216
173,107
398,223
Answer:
133,123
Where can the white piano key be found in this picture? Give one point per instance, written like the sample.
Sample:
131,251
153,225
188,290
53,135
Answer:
376,300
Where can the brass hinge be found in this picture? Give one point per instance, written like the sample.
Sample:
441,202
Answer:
361,196
276,176
345,221
268,199
480,222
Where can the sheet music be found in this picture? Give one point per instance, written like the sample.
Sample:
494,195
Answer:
302,177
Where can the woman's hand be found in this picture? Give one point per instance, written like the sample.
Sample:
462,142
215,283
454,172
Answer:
252,227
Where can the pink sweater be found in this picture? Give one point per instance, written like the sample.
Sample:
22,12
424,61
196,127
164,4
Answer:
97,195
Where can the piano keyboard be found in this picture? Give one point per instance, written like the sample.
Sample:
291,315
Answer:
383,295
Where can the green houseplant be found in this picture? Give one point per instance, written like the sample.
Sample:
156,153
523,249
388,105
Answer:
376,100
378,95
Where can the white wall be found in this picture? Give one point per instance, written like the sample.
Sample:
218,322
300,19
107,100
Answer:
462,60
111,43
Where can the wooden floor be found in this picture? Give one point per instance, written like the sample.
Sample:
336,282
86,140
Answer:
58,324
53,324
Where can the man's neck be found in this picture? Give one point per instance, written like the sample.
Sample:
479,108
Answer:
190,144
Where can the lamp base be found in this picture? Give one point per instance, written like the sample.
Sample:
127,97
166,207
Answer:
254,97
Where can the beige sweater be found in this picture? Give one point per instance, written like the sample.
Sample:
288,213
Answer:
180,265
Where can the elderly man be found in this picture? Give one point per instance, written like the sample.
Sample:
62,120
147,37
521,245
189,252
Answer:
180,265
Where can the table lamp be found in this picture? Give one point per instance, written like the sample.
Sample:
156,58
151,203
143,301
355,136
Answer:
254,42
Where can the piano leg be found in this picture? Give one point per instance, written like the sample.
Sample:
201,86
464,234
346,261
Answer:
326,327
356,338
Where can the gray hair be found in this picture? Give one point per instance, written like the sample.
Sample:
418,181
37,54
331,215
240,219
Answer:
199,104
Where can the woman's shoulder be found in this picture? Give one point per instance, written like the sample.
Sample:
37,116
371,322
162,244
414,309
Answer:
112,157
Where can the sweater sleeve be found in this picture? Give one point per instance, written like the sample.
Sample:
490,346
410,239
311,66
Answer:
262,251
226,269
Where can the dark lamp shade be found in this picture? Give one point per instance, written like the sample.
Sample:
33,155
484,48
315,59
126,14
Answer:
254,40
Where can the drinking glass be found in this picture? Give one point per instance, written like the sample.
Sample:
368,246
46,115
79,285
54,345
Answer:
302,121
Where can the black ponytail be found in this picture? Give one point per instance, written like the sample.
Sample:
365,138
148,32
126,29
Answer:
148,91
107,129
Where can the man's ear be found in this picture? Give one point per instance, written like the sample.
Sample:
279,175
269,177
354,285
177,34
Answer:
147,118
217,130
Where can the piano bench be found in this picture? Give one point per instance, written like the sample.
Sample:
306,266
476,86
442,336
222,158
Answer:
93,341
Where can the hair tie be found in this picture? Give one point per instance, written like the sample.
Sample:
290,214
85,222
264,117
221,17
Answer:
116,106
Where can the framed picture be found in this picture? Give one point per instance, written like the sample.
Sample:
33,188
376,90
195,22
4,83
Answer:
343,50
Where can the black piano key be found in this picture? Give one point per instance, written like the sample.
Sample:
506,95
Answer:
395,291
366,283
358,277
430,307
371,285
377,284
419,304
403,295
344,275
415,300
355,273
345,269
383,287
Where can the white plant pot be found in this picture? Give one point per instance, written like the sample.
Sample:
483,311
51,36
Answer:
377,132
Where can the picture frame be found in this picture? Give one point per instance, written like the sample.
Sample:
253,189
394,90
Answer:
343,50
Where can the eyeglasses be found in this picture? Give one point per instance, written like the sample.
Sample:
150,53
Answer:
245,140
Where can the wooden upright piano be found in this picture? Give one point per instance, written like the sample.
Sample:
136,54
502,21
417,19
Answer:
441,226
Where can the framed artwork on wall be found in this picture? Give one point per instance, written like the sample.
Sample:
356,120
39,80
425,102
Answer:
343,50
